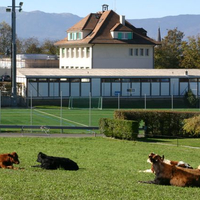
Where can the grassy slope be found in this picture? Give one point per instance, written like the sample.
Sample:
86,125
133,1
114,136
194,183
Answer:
109,170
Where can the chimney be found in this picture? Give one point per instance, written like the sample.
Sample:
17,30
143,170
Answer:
104,7
122,19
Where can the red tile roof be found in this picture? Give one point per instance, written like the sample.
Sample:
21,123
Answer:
101,24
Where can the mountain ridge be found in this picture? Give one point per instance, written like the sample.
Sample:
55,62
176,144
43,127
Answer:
53,26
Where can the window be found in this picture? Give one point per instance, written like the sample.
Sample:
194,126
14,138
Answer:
164,80
85,80
70,36
141,52
126,80
115,79
135,80
136,52
145,80
32,80
72,52
54,80
88,52
75,80
105,80
78,36
130,52
193,79
42,80
74,36
183,80
146,52
63,52
64,80
155,80
67,52
125,35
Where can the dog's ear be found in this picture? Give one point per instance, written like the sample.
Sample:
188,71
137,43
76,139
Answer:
163,157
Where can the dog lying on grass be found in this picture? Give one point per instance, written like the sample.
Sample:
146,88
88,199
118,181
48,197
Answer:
168,174
50,162
8,159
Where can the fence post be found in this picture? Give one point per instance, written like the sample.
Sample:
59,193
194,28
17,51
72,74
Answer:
61,111
90,105
31,113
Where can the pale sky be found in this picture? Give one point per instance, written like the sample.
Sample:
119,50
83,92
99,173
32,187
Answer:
132,9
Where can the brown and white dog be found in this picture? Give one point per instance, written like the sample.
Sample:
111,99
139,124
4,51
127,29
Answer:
169,174
7,160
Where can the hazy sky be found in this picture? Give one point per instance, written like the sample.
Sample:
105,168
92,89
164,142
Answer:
132,9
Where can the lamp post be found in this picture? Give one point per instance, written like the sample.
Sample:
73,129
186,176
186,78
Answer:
13,47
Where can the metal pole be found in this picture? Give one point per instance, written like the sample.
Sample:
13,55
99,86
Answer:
0,106
90,105
61,108
145,101
118,101
13,68
31,113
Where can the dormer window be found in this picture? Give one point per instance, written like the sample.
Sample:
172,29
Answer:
125,36
74,35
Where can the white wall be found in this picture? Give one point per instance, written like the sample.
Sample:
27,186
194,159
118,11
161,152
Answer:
118,56
75,57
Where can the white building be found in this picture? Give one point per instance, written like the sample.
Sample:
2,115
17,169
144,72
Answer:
29,61
105,56
135,83
105,40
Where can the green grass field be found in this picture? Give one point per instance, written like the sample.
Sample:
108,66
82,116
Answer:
109,169
44,116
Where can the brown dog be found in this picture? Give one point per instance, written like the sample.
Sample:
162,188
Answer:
7,160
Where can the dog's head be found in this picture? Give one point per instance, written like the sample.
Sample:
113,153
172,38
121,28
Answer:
14,158
154,158
41,156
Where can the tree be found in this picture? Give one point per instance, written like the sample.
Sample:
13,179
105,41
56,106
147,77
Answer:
5,38
191,53
48,47
31,46
168,55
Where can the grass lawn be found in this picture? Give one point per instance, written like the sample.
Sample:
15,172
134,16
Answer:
44,116
109,169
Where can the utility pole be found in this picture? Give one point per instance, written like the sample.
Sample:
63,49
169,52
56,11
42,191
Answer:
13,54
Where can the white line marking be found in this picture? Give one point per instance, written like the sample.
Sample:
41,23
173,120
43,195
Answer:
60,117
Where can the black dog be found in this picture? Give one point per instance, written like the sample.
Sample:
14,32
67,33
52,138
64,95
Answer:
50,162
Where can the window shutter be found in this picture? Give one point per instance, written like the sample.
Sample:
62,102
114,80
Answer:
119,35
79,35
129,36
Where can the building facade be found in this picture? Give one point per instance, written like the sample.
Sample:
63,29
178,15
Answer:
134,83
105,40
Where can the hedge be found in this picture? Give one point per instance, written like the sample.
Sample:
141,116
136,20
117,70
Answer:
120,129
157,122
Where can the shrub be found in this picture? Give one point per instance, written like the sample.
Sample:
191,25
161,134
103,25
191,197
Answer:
157,122
190,99
192,126
121,129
